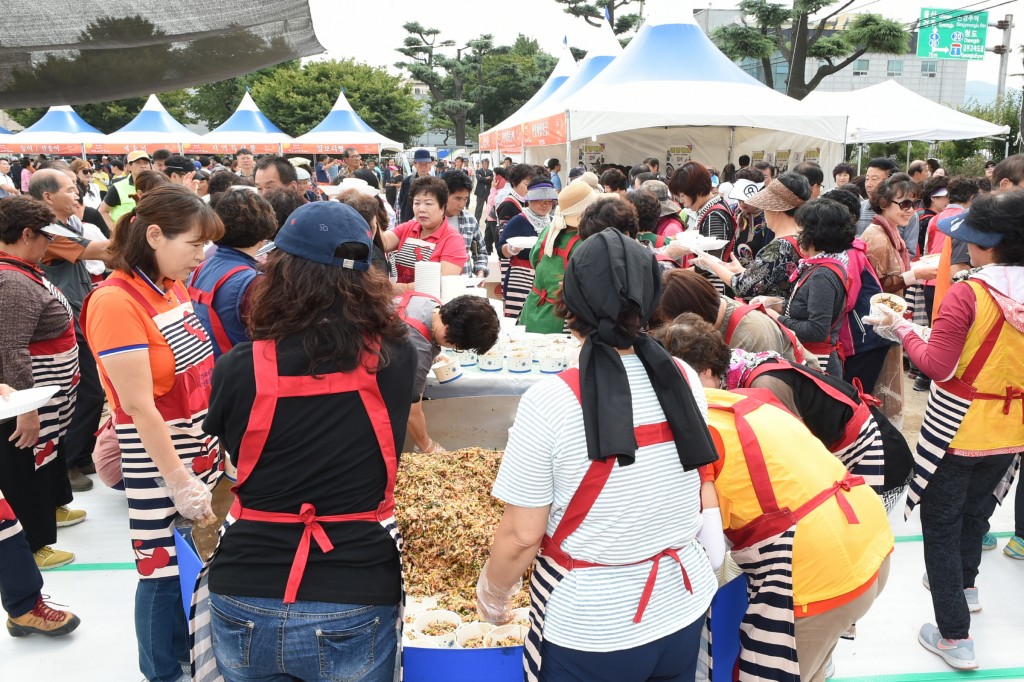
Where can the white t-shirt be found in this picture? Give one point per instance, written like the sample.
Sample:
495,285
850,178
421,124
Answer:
646,507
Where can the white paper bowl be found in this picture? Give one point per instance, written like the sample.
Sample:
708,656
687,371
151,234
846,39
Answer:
471,630
552,362
876,301
492,638
522,242
520,361
447,371
429,618
466,358
30,399
522,614
491,361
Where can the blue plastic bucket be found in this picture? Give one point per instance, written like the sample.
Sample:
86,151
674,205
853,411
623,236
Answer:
504,664
189,565
727,611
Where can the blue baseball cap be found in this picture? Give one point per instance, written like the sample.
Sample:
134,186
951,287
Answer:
959,227
315,230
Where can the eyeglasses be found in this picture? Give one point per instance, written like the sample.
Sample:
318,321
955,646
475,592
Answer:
86,171
906,204
49,237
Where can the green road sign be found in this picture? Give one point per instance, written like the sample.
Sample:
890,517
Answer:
951,34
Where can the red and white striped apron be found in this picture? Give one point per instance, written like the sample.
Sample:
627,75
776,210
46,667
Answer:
54,363
151,512
270,387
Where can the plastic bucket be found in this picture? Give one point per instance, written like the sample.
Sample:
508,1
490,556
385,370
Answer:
189,565
727,611
463,665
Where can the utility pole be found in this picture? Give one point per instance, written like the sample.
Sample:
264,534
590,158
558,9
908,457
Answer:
1003,50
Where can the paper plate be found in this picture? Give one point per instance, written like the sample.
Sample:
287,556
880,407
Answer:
331,190
30,399
522,242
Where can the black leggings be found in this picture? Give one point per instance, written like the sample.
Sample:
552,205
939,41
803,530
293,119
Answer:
33,495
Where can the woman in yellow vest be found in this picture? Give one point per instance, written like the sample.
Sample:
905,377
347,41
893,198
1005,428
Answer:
812,539
973,429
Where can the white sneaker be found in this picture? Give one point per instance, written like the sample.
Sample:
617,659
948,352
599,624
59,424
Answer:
830,669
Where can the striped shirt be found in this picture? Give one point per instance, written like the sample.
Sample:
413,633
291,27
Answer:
644,508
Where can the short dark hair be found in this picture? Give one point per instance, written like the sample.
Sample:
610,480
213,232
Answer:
614,179
934,164
844,168
18,212
687,291
435,187
696,342
895,185
961,189
641,178
117,162
916,167
931,186
609,212
456,181
285,170
848,199
627,326
692,179
984,185
42,183
248,218
471,323
221,180
648,209
369,176
765,166
825,226
639,169
1011,168
651,161
204,161
811,171
348,152
1002,213
176,210
798,185
176,163
552,164
744,160
162,155
750,173
284,202
241,151
883,163
521,172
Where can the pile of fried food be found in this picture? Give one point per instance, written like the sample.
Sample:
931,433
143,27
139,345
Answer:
447,517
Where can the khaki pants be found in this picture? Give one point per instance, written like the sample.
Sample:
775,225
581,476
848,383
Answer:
816,636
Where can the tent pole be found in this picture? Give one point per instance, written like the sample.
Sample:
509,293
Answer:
908,154
732,141
860,148
568,147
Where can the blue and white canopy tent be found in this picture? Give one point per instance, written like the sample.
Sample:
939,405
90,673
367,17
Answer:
153,128
340,129
60,131
248,127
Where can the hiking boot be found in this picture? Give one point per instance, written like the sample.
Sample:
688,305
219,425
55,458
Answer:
959,653
43,620
79,481
970,593
69,517
48,557
988,542
922,384
1015,547
88,469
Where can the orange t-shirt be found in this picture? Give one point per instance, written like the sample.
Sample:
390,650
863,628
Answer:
117,324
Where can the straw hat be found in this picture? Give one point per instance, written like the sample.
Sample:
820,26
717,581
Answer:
775,197
590,179
574,200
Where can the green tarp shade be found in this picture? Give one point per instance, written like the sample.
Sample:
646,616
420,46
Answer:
75,51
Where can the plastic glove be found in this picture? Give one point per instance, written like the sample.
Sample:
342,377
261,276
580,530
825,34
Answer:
923,271
769,302
492,601
886,322
190,496
512,250
712,536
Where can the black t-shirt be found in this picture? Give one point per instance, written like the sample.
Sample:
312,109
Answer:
321,450
93,216
824,417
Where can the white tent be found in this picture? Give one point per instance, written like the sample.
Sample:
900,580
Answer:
672,92
248,127
60,131
340,129
152,129
889,112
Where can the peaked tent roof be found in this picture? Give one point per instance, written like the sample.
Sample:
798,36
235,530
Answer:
602,53
153,125
563,71
5,131
672,75
905,116
247,124
59,125
343,126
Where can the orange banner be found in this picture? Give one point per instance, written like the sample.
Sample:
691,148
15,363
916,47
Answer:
544,132
510,140
487,141
122,149
13,147
208,148
330,149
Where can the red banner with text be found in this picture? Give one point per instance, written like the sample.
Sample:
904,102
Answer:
545,131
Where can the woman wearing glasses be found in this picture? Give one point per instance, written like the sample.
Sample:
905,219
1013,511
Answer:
89,192
894,204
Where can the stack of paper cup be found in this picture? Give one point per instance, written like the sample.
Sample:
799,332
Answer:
499,307
428,278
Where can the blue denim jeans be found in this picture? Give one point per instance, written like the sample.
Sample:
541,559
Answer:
161,629
256,638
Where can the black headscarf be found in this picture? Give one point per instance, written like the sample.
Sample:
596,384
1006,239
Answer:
606,273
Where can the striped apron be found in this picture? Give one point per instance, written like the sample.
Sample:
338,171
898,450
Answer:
54,363
409,253
948,403
270,387
764,550
151,512
518,284
553,563
9,523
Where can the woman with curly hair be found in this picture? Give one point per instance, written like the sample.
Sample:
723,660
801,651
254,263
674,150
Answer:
313,412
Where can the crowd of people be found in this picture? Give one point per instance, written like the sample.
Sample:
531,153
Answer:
254,324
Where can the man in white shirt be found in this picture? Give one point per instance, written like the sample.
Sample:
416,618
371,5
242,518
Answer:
7,186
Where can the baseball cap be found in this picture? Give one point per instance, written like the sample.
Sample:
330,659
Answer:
138,154
302,174
959,227
315,230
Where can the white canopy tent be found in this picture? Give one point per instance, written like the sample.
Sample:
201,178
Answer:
889,112
340,129
248,127
673,93
153,128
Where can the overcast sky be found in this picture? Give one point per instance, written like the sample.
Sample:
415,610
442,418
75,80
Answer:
369,30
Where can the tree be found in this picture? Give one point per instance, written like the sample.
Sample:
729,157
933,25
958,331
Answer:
448,77
769,29
594,13
298,99
510,76
966,157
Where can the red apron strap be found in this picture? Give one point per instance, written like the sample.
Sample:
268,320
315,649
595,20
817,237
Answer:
981,357
737,316
795,242
403,305
264,358
741,311
133,292
220,334
752,453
